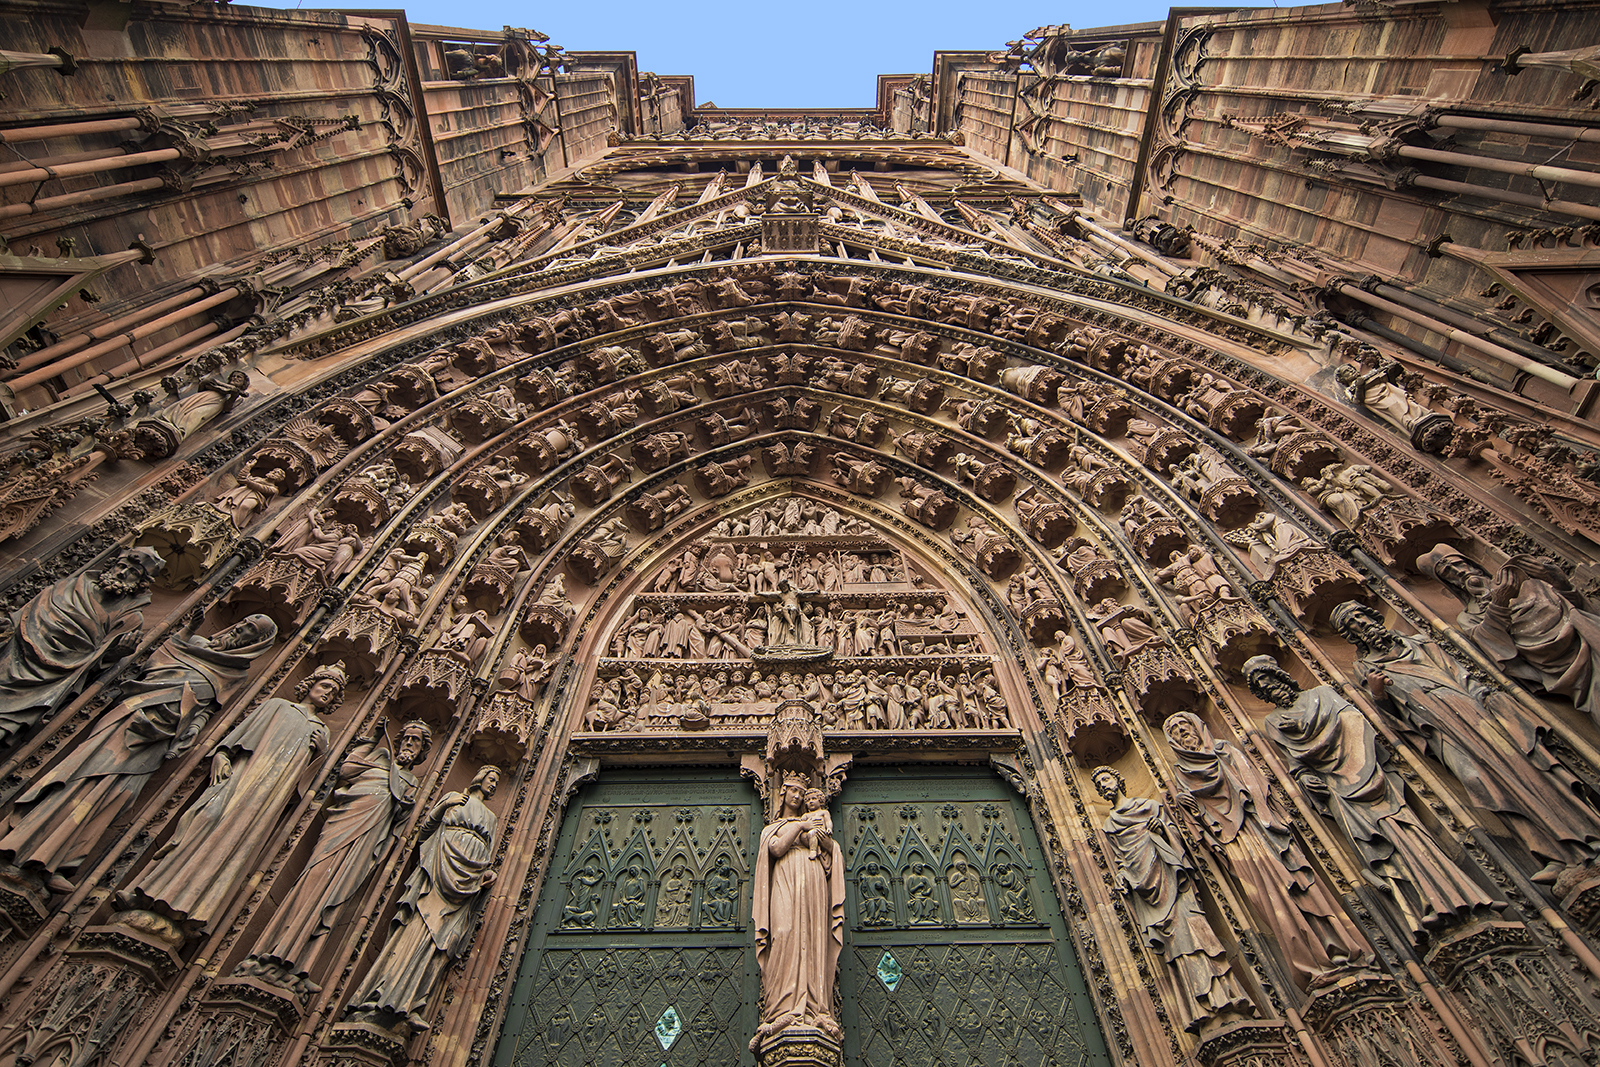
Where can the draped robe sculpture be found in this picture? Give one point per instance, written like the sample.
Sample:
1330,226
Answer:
1232,804
1156,874
255,770
65,633
69,807
1333,754
1530,620
375,792
798,916
1496,750
435,917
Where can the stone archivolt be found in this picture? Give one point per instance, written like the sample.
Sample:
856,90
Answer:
950,514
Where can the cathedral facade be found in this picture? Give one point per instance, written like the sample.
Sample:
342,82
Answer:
1084,561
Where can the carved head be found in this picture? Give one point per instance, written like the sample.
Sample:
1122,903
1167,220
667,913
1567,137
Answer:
415,739
1454,571
792,795
815,799
1187,732
130,572
1108,783
486,781
248,631
1359,625
1270,682
323,689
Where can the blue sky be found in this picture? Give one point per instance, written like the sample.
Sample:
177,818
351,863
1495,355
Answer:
824,53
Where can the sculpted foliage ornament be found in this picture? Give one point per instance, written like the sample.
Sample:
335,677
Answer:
796,607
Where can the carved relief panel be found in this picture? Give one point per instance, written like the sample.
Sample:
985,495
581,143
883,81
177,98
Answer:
794,600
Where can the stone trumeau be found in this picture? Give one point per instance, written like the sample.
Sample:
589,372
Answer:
1091,559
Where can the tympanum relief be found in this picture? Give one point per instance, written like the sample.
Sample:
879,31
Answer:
794,600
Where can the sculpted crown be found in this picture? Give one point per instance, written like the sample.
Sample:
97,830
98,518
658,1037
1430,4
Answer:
334,672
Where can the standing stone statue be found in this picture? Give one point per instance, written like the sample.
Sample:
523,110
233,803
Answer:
60,637
1384,395
1333,754
798,917
1233,807
1495,749
1155,872
374,794
255,771
64,811
1529,619
435,918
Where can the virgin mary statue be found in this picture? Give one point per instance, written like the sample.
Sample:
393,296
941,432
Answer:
798,916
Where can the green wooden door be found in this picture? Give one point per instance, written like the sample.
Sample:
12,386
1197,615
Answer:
955,951
642,952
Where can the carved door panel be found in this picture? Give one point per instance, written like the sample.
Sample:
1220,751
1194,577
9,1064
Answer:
955,951
642,952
